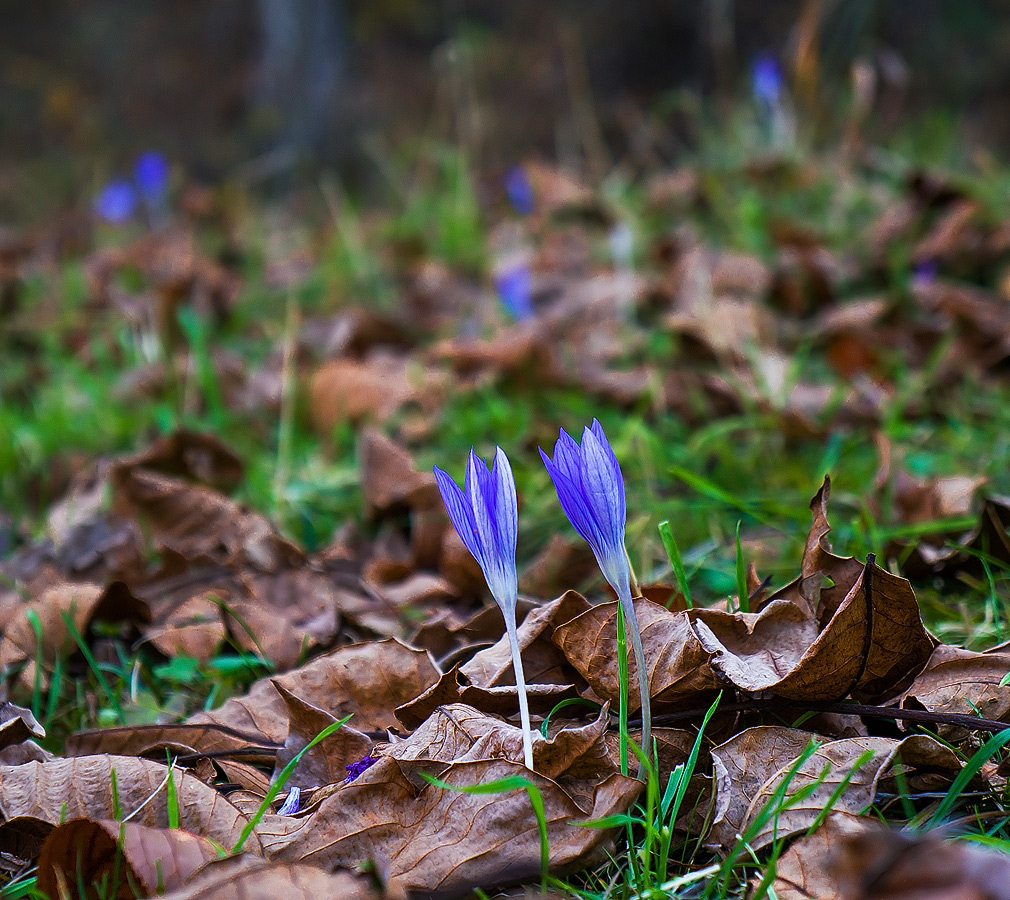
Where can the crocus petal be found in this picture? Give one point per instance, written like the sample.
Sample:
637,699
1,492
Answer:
615,467
480,487
573,501
603,490
460,513
507,511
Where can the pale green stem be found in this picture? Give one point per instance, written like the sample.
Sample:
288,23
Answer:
524,710
643,675
622,685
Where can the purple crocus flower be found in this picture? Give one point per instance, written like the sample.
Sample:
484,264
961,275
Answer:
766,80
355,769
519,190
117,201
291,803
591,491
486,517
515,288
151,174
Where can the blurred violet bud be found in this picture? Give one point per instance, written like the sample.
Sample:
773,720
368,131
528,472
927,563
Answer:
590,488
766,80
924,273
151,174
514,285
117,201
355,769
291,803
519,190
485,515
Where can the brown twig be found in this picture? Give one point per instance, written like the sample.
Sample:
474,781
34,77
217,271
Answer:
974,723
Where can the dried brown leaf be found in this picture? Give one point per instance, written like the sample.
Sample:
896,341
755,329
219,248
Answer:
201,524
82,788
250,878
751,766
803,871
369,680
961,681
443,842
130,860
890,865
678,663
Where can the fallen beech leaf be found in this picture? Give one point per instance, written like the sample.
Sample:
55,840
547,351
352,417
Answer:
152,741
503,700
803,871
84,604
890,865
327,761
249,878
679,669
353,390
388,476
751,766
542,661
17,725
443,843
131,860
201,524
191,455
369,680
73,788
459,733
960,681
867,639
22,838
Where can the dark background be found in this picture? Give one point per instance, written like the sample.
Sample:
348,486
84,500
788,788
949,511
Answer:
267,87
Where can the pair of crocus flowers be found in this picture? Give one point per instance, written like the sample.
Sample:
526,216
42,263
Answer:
591,491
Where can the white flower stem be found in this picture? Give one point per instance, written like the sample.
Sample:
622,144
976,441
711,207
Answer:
524,710
643,674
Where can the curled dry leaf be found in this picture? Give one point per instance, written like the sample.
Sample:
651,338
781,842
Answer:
250,878
442,843
750,767
803,870
460,733
388,476
863,636
487,680
82,788
201,524
679,669
884,864
325,763
153,740
960,681
82,604
191,455
131,860
369,680
17,725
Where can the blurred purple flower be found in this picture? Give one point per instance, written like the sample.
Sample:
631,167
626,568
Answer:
924,272
515,289
766,80
151,174
486,517
117,201
590,488
355,769
519,190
